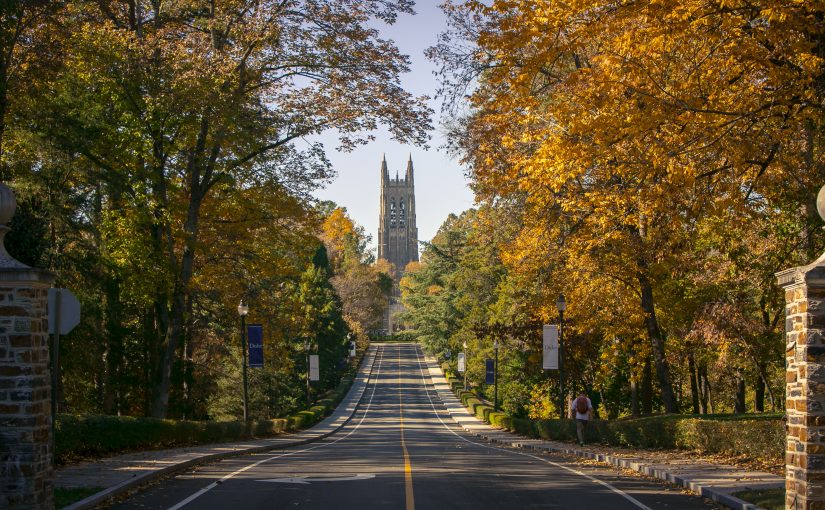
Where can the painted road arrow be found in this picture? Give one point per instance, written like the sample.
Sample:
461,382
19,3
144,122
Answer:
310,479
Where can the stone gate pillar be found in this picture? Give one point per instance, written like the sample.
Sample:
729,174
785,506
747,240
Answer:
25,386
805,385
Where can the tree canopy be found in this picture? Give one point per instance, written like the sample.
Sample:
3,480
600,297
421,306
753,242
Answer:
160,150
661,159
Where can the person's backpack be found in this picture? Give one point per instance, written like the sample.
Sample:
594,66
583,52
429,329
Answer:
581,405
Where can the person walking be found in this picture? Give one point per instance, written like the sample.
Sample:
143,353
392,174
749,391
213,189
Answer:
583,409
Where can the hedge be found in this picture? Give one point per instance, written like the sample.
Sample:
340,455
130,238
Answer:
760,436
100,435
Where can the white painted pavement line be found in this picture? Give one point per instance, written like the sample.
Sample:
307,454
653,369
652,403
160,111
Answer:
212,485
306,480
621,493
707,486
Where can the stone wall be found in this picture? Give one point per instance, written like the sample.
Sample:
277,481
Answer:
805,385
25,405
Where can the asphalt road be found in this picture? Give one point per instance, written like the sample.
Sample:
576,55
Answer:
402,451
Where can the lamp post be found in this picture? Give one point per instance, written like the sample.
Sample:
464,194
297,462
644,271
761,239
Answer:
495,376
561,306
306,349
464,345
243,310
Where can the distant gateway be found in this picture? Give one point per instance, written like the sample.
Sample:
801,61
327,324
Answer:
397,233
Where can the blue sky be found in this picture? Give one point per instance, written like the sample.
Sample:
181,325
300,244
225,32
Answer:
440,186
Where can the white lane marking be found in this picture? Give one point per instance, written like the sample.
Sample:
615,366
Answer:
562,466
310,479
233,474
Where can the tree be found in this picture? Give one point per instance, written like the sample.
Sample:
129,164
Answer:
621,128
358,280
169,102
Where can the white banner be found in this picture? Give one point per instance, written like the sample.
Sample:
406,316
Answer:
461,362
550,352
313,367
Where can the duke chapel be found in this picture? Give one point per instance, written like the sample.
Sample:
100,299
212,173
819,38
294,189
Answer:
397,233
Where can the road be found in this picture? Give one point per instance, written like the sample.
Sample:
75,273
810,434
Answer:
401,451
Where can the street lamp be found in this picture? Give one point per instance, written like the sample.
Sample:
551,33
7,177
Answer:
243,310
561,306
307,345
495,376
464,345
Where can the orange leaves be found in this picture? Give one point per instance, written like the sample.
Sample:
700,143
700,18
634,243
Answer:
629,134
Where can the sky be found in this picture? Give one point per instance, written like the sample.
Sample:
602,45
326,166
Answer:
440,185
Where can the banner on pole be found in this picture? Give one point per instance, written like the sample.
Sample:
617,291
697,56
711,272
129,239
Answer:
550,351
461,362
313,367
255,337
489,371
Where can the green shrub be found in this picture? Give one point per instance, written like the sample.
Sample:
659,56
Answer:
94,435
98,435
759,436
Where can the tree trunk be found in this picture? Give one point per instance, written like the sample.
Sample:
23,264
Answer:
634,398
114,351
12,10
647,388
759,395
707,392
657,341
739,402
200,170
694,387
149,363
160,400
701,379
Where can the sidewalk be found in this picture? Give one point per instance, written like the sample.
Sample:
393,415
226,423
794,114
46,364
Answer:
714,481
117,475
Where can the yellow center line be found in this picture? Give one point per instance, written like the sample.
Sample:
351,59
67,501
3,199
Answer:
408,485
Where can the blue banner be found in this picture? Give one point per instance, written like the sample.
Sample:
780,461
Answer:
255,336
490,371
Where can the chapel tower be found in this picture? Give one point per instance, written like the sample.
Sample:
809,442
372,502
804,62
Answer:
397,233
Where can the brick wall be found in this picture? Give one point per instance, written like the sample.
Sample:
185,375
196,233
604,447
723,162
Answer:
25,405
805,386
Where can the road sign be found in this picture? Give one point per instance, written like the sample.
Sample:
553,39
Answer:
550,351
64,311
352,349
255,334
461,362
489,371
313,367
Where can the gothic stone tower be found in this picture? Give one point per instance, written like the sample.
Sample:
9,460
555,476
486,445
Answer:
397,233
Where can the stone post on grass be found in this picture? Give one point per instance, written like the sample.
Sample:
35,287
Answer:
25,387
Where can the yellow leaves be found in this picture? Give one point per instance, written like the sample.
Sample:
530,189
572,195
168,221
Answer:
336,227
433,290
617,128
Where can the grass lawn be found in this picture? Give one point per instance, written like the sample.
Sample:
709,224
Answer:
769,499
64,496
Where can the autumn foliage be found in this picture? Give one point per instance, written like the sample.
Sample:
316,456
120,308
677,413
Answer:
163,158
660,159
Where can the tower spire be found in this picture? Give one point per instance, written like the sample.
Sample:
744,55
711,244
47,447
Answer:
409,175
385,174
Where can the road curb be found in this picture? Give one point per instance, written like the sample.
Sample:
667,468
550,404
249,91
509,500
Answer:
707,491
355,393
